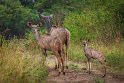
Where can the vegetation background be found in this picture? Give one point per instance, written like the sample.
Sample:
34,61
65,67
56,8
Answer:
101,21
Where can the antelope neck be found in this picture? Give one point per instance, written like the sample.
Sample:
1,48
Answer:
85,46
37,36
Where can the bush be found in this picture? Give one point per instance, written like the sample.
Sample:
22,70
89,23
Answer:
93,25
116,61
99,80
76,53
15,16
21,62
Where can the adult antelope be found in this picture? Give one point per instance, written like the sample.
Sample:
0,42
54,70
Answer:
64,36
48,42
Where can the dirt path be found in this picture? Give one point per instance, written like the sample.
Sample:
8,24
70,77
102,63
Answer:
77,74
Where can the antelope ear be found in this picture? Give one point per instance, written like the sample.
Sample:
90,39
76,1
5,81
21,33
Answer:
29,24
88,40
39,24
81,40
54,26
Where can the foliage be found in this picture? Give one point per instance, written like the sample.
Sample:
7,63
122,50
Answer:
79,25
115,60
101,21
99,80
14,16
27,3
114,55
104,17
95,22
73,66
21,62
76,52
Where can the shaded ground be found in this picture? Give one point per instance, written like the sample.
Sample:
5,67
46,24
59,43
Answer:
77,74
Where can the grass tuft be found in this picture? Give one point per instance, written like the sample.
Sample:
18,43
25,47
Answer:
21,62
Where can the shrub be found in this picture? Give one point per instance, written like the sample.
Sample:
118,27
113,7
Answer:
116,61
21,62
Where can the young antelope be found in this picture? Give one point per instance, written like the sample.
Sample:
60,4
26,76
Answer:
93,54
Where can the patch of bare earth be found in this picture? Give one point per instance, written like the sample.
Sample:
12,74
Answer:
78,75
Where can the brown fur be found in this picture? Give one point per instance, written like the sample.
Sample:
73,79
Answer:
93,54
51,43
64,35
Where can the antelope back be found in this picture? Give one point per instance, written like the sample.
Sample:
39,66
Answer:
62,33
50,42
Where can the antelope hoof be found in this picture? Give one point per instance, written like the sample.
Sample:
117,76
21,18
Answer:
104,75
66,67
59,73
56,67
63,73
89,72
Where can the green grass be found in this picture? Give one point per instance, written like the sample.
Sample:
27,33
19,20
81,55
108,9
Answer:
114,55
21,62
73,66
76,52
98,80
116,62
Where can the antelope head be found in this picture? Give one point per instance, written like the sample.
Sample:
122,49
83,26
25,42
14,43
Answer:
34,27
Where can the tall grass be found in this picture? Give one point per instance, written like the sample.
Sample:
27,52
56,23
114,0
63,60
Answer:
21,62
114,55
101,27
76,52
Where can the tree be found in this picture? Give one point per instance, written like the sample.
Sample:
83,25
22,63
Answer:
15,16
